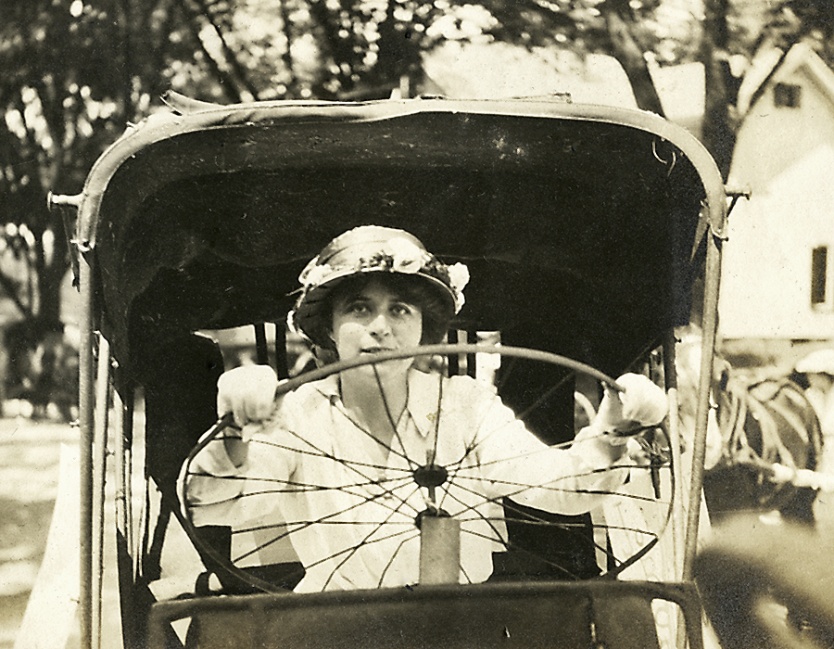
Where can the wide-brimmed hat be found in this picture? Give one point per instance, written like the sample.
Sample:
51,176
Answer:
370,249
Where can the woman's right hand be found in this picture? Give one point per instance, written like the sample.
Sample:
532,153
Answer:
248,392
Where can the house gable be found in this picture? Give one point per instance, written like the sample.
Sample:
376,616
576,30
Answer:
772,66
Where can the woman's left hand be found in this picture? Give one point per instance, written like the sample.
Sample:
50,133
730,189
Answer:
640,405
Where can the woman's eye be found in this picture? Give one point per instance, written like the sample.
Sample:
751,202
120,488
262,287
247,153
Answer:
401,310
357,308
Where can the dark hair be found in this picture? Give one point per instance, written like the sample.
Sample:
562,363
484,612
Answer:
412,289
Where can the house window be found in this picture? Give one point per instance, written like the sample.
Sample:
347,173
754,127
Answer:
819,276
786,95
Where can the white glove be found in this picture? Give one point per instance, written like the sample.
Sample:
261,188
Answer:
641,404
248,392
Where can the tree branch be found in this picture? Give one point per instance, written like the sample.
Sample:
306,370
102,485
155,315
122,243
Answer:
287,55
631,57
227,82
8,285
229,54
337,49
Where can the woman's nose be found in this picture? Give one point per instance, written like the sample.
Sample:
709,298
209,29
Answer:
380,325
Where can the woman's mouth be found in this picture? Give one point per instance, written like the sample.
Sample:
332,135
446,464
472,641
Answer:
376,350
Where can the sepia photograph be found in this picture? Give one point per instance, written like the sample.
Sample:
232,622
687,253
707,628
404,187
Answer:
416,324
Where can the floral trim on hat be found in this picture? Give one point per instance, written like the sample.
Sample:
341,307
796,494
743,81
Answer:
397,255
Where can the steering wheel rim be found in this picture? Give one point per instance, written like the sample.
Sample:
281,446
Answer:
447,350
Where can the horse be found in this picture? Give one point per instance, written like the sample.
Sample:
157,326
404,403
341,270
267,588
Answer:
761,435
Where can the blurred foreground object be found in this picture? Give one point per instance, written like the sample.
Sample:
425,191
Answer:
768,585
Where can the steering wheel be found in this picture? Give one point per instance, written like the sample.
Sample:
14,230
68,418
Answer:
768,585
451,508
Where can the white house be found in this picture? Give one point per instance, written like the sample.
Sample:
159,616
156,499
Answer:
778,274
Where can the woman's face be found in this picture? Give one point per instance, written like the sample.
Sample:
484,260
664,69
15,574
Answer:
372,319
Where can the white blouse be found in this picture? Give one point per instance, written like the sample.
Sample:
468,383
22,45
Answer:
352,520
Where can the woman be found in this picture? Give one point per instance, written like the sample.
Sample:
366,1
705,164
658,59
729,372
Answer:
354,522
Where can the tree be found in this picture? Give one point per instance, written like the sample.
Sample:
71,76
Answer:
718,131
58,116
396,37
75,74
365,48
791,21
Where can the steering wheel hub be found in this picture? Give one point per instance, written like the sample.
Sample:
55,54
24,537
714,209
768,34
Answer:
430,475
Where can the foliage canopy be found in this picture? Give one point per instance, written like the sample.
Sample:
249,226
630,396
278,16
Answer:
76,72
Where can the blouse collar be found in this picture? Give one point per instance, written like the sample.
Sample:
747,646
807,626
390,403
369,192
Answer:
423,403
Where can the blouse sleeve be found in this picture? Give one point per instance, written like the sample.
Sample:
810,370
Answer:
515,463
213,483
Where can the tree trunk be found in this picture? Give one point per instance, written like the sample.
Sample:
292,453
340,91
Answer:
718,132
399,52
630,55
334,47
50,272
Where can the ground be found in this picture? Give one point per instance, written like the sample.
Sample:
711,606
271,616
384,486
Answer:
28,487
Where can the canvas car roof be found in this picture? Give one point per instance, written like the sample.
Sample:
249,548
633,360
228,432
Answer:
580,224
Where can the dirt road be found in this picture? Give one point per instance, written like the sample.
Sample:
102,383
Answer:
28,487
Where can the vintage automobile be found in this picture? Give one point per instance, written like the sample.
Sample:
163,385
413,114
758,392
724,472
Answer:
584,228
